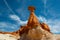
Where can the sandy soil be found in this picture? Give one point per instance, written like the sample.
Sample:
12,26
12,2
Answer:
7,37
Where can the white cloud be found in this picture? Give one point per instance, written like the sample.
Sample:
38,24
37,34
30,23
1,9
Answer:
41,18
53,24
17,19
4,25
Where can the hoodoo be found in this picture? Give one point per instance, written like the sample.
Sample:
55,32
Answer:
35,30
33,22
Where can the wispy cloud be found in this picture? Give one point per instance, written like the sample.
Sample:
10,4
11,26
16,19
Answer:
18,20
8,6
53,24
42,19
8,25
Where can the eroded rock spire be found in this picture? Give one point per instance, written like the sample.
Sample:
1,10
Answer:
32,21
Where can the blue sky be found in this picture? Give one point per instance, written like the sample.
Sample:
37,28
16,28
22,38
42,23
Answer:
14,13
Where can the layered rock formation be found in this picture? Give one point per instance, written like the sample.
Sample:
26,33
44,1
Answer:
10,35
33,22
33,30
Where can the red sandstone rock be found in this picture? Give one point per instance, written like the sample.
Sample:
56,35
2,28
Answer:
33,22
